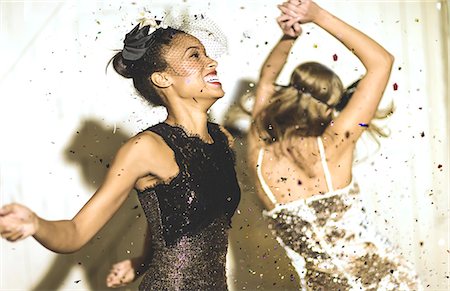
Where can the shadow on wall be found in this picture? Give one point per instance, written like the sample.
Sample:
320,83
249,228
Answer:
258,261
92,148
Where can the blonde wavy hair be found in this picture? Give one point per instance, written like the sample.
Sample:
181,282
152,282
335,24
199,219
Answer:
306,107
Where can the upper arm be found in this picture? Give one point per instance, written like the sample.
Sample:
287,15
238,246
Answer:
270,71
264,91
360,110
133,160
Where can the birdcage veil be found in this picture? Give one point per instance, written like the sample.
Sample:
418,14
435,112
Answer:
199,25
193,22
146,46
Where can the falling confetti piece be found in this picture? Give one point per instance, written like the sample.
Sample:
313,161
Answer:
335,57
363,124
77,281
395,86
315,46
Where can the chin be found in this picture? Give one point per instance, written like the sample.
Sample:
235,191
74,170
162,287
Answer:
220,94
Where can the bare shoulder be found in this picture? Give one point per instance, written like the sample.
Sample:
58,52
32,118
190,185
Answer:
144,142
145,151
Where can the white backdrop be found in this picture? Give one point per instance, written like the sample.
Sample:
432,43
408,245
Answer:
62,118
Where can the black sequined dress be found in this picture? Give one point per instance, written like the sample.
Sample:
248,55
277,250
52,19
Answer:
189,217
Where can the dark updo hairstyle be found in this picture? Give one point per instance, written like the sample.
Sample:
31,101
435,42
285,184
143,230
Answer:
152,61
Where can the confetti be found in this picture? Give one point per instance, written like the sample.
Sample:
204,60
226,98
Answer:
335,57
363,124
395,86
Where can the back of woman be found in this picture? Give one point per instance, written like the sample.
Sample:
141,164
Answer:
301,152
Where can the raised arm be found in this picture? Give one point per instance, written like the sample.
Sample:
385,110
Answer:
65,236
275,61
360,110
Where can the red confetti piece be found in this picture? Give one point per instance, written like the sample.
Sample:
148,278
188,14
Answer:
335,57
395,86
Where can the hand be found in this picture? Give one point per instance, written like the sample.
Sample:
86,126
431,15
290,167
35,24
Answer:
121,274
289,25
303,11
17,222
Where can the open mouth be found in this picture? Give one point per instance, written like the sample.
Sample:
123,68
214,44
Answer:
212,78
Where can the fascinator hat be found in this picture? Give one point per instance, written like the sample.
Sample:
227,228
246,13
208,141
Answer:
140,39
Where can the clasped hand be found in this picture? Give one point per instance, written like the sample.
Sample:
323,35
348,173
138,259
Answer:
294,13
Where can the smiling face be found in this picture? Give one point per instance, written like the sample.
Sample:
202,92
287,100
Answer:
192,72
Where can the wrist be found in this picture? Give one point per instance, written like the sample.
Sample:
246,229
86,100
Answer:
36,222
287,37
318,14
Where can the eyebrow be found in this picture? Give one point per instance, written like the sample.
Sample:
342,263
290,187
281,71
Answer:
191,47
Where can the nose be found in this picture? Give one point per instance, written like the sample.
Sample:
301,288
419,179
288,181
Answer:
211,63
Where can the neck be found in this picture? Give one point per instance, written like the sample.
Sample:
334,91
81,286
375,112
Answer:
192,118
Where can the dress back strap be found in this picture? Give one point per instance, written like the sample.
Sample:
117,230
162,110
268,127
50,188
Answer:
325,165
261,178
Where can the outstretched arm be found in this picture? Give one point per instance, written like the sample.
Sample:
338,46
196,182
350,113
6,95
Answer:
275,61
66,236
352,121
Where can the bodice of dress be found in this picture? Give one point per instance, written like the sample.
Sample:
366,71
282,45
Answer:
333,246
190,215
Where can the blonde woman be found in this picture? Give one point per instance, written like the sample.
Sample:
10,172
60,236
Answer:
302,157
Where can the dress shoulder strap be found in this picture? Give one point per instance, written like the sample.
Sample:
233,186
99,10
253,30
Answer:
261,178
325,165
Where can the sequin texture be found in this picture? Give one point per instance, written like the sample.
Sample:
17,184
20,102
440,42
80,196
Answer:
333,246
189,217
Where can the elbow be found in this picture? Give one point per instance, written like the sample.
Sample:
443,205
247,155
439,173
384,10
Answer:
382,64
390,59
387,60
69,251
65,250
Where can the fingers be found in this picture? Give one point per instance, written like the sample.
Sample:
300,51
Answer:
120,274
7,209
283,18
284,9
12,234
289,25
17,222
297,28
114,280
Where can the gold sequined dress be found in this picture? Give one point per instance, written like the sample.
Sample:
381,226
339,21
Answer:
189,217
332,245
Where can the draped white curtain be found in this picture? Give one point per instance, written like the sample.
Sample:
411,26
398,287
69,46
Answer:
62,119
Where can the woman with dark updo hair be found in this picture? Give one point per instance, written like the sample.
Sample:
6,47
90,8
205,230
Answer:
301,146
182,169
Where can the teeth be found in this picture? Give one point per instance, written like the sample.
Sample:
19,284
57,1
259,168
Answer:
211,79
